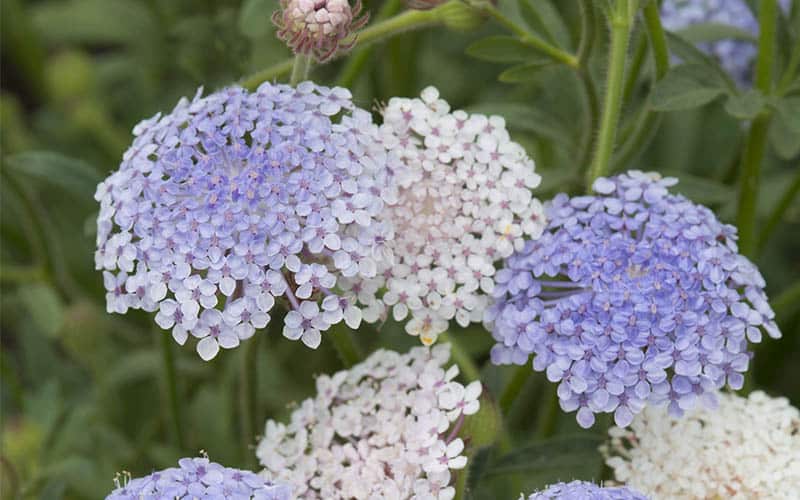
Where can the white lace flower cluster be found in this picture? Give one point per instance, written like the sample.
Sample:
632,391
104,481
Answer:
748,448
464,202
386,428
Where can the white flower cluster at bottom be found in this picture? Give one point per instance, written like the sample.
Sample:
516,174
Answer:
748,448
386,428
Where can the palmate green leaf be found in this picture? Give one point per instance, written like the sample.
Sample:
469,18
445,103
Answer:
745,106
788,109
72,175
523,72
503,49
686,86
711,32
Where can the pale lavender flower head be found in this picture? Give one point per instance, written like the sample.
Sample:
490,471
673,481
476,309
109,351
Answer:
736,56
583,490
632,296
239,198
199,478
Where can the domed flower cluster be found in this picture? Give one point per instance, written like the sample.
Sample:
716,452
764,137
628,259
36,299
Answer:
318,27
199,478
238,198
736,56
464,202
386,428
631,296
747,448
582,490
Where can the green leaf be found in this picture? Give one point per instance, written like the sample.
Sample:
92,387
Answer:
788,110
784,140
255,17
711,32
503,49
745,106
70,174
557,453
686,86
522,72
699,189
689,54
44,306
544,19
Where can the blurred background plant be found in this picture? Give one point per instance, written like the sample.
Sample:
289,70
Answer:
78,398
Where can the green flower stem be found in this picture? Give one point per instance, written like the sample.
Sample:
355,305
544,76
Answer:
646,124
349,352
405,21
621,20
171,382
637,61
300,69
356,62
757,138
461,481
273,72
548,413
248,394
530,39
469,370
588,90
780,209
514,387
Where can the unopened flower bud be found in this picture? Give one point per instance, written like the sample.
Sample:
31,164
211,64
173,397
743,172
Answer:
318,27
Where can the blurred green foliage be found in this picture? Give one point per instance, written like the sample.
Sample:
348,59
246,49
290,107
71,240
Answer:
83,392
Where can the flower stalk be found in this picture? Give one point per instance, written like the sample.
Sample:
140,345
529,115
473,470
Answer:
757,138
621,21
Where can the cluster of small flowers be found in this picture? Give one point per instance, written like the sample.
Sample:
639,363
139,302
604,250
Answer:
747,448
464,202
630,296
583,490
735,56
318,27
386,428
199,478
235,199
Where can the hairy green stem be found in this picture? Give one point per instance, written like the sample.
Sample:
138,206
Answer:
588,90
171,383
757,138
780,209
635,68
349,352
530,39
621,18
300,69
644,128
468,368
405,21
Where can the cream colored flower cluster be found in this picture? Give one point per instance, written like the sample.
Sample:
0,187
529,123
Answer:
749,448
386,428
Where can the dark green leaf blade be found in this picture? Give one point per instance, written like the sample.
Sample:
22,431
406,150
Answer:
686,86
503,49
70,174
